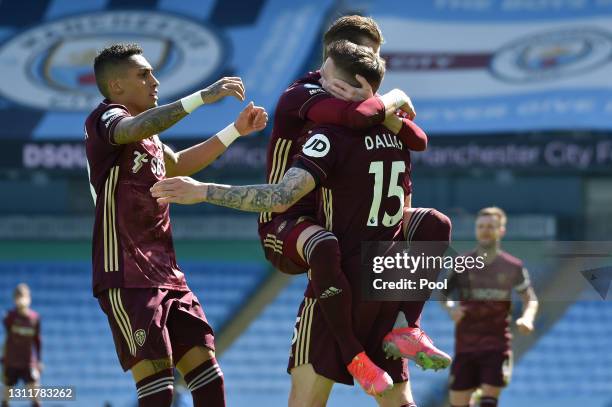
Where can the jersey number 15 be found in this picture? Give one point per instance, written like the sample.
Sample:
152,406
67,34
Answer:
377,168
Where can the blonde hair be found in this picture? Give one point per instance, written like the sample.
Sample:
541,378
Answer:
496,212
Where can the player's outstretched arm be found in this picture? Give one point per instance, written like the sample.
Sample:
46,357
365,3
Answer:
157,119
193,159
250,198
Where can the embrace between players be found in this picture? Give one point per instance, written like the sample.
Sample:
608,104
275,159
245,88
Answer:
328,191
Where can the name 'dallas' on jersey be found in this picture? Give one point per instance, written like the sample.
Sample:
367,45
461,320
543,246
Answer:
132,240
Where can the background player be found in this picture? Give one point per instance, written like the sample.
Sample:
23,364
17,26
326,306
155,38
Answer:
483,355
316,362
22,349
156,320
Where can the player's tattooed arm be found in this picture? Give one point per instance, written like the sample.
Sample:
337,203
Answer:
157,119
148,123
251,198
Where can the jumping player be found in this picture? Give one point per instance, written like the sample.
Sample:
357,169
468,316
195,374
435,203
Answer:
156,321
483,355
333,157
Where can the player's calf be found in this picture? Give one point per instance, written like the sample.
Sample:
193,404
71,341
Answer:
321,252
203,376
156,390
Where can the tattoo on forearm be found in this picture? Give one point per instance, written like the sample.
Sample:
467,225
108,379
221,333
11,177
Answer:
149,123
263,198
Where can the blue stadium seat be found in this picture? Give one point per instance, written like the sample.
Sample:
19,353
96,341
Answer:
78,348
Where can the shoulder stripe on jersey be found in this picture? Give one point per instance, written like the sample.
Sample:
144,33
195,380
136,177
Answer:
111,255
122,319
279,166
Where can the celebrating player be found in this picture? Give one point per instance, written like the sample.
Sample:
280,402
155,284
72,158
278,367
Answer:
156,321
332,158
483,356
285,236
22,349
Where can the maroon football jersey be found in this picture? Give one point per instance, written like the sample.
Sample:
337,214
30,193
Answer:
486,296
289,128
132,238
362,176
23,342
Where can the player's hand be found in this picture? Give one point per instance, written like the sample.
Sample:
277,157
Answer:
182,190
252,118
342,90
227,86
457,313
524,325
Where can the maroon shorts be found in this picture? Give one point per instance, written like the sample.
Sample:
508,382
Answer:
154,323
12,375
313,342
472,369
279,241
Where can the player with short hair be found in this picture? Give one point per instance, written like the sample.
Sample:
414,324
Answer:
331,156
483,355
23,344
156,321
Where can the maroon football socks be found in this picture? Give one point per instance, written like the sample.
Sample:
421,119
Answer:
156,390
332,290
206,385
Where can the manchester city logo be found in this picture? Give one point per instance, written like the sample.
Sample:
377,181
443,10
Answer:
50,66
552,55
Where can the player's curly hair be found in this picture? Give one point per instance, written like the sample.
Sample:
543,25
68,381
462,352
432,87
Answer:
353,28
353,59
110,57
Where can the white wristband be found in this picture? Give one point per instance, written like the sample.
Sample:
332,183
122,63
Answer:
228,135
192,102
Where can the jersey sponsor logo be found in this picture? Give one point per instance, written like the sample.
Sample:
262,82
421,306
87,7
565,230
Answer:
311,86
552,55
23,330
139,158
317,146
140,336
50,66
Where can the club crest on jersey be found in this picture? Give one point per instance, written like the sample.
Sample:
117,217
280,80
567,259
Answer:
317,146
139,158
140,336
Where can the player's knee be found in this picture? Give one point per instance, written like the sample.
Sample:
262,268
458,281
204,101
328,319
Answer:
146,368
308,389
156,389
322,244
441,226
193,357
